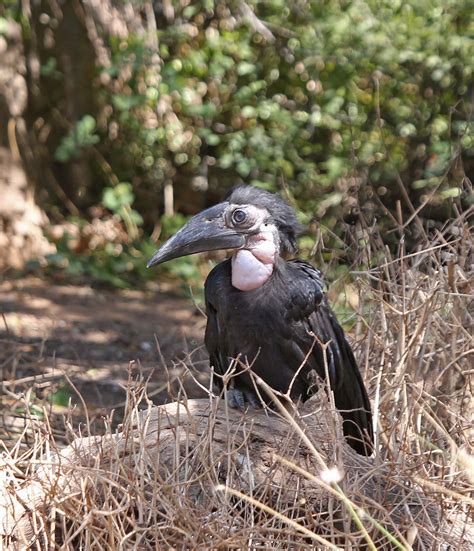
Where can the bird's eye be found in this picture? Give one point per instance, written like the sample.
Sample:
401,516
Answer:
239,216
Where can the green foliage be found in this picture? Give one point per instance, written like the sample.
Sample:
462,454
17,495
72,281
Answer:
80,137
61,396
344,102
119,199
189,272
118,265
121,263
349,94
50,69
171,224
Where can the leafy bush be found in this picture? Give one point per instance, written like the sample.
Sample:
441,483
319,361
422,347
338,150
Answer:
347,96
359,110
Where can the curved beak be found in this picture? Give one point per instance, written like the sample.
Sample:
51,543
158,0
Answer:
206,231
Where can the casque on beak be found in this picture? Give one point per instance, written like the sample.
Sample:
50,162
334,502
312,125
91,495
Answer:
207,231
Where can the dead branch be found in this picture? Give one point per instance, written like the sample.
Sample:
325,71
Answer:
177,455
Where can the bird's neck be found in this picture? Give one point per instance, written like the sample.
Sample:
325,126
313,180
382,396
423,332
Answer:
254,265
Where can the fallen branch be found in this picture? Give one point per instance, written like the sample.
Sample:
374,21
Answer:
159,480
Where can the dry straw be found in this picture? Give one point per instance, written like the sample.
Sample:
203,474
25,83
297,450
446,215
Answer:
195,474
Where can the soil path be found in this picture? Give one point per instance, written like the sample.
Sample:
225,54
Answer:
52,330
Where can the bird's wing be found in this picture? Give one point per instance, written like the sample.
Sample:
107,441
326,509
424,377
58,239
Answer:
216,336
213,340
346,382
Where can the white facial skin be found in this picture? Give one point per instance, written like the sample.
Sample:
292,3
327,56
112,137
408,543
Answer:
253,265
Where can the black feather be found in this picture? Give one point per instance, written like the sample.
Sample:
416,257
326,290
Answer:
271,328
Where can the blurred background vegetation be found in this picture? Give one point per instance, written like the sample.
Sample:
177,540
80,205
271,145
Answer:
126,117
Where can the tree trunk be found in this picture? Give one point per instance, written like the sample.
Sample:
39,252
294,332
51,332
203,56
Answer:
61,78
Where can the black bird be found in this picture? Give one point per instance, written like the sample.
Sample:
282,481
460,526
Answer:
267,311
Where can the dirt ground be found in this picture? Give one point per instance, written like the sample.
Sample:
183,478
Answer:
50,332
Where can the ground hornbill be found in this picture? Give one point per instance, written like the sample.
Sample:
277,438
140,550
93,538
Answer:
270,313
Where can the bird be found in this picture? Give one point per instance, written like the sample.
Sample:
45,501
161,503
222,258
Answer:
267,311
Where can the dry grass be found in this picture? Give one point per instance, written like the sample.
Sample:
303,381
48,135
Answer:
200,476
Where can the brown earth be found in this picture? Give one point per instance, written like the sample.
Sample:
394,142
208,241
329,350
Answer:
54,332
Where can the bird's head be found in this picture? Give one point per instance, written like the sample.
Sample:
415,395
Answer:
249,218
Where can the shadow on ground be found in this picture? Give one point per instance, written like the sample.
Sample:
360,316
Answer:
51,333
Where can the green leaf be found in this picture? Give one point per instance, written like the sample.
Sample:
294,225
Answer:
79,138
248,112
124,102
245,68
451,192
117,197
61,397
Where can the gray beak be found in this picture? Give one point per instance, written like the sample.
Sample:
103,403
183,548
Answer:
206,231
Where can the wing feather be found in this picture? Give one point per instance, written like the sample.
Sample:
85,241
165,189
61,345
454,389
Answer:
345,379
